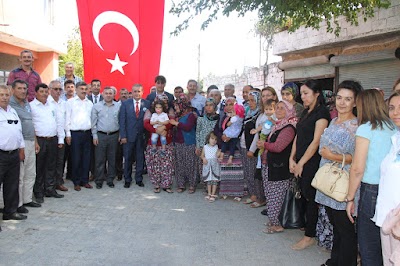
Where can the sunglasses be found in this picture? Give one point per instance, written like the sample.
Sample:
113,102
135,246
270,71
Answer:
57,89
12,121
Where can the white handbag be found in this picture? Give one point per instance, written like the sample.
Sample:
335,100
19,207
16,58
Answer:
332,180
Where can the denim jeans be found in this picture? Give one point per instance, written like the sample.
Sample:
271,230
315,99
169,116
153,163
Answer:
367,232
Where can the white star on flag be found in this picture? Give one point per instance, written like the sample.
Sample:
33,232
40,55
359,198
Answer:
117,64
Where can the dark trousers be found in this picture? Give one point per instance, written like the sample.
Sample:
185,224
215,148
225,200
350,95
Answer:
105,151
60,166
345,249
308,192
137,148
9,179
68,160
118,161
368,233
230,145
45,167
80,153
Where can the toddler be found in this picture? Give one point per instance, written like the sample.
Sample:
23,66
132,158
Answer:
232,127
211,167
158,118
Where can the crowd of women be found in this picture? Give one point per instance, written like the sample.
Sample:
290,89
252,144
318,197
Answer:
252,153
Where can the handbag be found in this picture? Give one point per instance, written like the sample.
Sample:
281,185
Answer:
292,213
332,180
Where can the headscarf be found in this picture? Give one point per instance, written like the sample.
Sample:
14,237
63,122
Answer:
289,119
292,88
213,116
251,113
184,105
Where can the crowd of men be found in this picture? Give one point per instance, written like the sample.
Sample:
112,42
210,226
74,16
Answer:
69,122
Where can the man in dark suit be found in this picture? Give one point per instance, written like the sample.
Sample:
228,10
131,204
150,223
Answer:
131,134
160,85
96,96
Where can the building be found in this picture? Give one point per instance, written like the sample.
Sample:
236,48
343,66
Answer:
31,25
368,53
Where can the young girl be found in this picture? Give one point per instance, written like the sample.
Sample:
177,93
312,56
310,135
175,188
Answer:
232,126
158,118
211,167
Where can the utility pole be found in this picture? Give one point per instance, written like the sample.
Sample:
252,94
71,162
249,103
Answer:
198,64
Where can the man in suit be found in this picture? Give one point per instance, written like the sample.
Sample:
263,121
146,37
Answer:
160,85
95,97
131,134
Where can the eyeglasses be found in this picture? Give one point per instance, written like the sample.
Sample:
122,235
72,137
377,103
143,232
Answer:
12,121
57,89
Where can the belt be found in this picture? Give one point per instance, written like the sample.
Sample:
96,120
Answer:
108,133
46,137
8,152
81,131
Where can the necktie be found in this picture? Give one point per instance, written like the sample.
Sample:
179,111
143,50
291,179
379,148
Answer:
95,99
137,109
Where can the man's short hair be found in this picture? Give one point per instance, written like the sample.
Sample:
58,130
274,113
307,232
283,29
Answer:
94,80
161,79
215,90
230,86
192,80
20,81
53,82
212,87
137,85
26,51
68,82
41,85
110,88
178,88
69,63
80,83
5,87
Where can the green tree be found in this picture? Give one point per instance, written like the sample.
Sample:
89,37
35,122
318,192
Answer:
288,15
73,55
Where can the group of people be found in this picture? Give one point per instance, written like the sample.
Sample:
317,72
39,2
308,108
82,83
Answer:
247,148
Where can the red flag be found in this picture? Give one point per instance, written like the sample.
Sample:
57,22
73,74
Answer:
121,41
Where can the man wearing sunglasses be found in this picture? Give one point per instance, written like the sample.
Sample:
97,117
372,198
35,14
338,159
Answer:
11,153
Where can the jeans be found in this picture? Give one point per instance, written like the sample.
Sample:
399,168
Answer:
368,233
154,139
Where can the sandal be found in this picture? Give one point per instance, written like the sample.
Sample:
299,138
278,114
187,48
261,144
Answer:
212,198
248,201
191,190
238,199
257,205
168,190
208,197
180,190
271,230
156,190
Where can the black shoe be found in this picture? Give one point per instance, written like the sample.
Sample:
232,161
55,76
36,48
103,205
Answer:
264,212
54,195
14,216
32,204
22,209
111,184
127,185
98,186
144,171
40,200
140,184
119,177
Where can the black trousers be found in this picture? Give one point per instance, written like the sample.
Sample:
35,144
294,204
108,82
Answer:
60,166
308,192
118,161
46,167
9,179
80,152
344,250
68,160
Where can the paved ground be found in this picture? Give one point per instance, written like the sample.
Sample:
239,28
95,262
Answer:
134,226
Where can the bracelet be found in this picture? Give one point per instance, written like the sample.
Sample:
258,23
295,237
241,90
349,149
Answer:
347,200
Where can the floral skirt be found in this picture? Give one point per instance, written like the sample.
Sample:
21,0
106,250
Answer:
160,165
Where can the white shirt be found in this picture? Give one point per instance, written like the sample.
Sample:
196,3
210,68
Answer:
60,107
158,117
46,120
10,134
78,114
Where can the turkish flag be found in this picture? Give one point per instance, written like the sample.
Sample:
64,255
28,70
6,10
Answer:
121,41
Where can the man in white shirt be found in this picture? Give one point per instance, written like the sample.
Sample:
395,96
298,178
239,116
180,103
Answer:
55,100
195,98
77,129
11,153
50,136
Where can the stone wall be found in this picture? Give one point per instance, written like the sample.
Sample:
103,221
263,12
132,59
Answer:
251,75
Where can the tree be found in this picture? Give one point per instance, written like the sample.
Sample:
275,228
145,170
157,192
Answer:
281,14
74,54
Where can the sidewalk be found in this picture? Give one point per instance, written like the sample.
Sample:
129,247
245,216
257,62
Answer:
119,226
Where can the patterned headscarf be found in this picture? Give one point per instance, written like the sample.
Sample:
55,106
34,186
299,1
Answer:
292,88
251,113
183,104
290,117
213,116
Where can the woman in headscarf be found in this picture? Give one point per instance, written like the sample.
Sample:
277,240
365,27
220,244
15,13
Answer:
289,93
249,153
205,125
185,143
160,164
277,150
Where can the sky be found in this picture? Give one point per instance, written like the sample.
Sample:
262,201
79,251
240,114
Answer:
227,46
